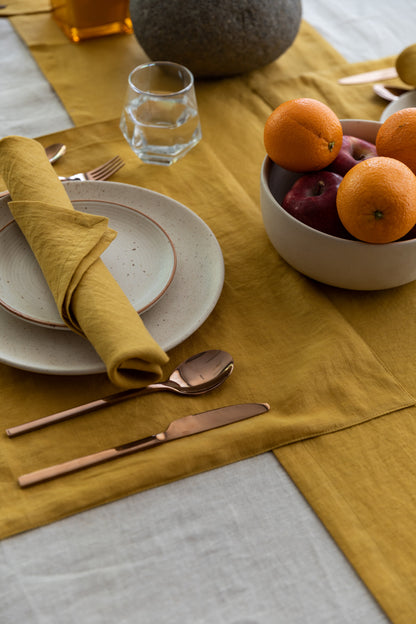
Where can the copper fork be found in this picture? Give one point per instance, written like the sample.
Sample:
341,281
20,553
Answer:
102,172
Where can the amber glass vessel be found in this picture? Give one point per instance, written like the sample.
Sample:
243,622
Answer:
84,19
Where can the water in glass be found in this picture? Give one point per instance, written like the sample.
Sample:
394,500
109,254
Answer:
161,127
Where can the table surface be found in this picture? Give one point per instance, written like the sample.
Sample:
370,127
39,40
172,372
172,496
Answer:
220,546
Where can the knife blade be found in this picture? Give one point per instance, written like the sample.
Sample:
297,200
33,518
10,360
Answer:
180,428
372,76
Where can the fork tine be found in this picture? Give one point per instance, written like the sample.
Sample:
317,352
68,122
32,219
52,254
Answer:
104,166
102,172
106,170
103,175
112,166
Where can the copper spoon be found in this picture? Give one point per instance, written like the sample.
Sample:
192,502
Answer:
196,375
55,151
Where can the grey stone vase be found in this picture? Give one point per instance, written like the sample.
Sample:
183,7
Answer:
215,38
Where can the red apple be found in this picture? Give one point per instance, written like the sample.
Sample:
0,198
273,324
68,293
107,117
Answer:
410,235
312,200
352,151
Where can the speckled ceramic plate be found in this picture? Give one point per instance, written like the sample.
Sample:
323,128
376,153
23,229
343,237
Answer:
142,260
186,304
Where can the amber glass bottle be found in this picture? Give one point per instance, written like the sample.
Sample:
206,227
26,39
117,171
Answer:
84,19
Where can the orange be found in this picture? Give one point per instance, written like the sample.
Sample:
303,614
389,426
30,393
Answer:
376,200
303,135
396,137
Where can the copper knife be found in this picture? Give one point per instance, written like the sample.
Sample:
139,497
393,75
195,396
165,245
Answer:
180,428
371,76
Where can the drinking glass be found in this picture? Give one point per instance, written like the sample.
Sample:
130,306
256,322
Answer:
160,119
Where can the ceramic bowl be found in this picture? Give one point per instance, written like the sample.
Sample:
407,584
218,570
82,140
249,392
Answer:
407,100
335,261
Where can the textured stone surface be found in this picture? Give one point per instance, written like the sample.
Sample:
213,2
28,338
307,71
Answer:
216,37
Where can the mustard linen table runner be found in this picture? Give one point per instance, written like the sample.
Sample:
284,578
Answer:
24,7
334,365
266,317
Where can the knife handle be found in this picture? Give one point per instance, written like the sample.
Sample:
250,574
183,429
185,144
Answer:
72,412
73,465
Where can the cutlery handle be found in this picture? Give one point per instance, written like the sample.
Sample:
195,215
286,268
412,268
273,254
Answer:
73,465
32,425
371,76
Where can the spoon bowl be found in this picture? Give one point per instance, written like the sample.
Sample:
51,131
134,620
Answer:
196,375
55,151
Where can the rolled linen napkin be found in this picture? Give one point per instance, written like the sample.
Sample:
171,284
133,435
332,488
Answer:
68,244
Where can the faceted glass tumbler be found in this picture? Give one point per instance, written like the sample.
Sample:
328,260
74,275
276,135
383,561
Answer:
160,120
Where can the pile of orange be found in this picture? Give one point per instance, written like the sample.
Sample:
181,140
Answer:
376,201
397,137
303,135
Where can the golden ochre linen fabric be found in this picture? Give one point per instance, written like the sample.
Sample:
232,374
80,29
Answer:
336,366
68,245
24,7
291,347
361,484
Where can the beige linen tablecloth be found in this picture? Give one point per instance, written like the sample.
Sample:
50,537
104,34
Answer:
335,366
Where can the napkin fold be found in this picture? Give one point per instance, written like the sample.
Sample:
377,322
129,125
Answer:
67,245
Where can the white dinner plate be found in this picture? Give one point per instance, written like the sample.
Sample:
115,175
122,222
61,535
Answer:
141,259
186,304
407,100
